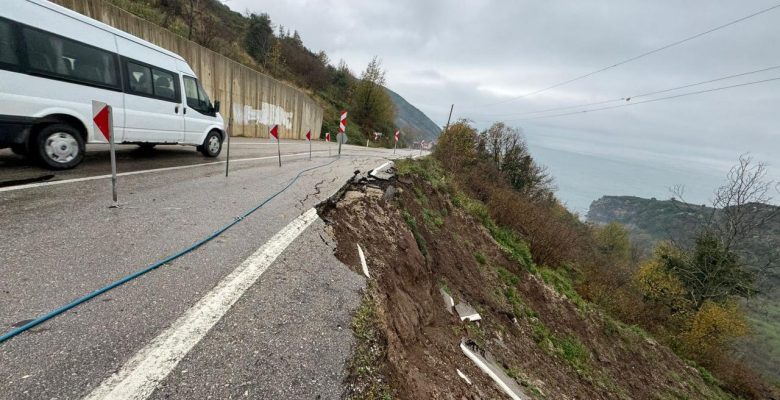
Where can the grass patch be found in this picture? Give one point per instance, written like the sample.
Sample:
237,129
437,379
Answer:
540,333
707,376
412,223
562,285
426,168
475,333
568,347
507,277
432,218
366,364
573,351
420,195
481,259
507,239
515,247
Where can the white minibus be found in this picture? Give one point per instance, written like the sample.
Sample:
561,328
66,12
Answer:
54,62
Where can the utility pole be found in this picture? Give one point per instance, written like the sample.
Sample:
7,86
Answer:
230,123
448,118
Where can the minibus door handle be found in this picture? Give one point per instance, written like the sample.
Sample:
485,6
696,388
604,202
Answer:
184,111
177,109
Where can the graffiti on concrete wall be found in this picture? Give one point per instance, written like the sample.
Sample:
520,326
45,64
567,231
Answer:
268,114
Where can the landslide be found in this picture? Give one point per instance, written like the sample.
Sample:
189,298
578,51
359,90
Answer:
420,236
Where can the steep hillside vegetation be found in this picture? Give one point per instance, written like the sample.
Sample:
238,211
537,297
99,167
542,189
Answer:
412,121
651,221
255,41
492,175
423,237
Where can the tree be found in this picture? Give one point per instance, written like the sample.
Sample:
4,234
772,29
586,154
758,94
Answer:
741,203
456,146
259,38
659,286
712,329
613,241
372,108
172,9
505,148
711,267
275,58
207,29
297,38
194,5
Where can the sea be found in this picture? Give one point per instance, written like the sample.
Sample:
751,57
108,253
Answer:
583,172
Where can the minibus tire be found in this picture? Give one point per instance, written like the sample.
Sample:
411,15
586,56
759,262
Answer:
70,142
212,145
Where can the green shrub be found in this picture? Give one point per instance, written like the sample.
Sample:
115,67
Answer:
432,218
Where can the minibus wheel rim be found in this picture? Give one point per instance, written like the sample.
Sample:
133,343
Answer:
61,147
213,144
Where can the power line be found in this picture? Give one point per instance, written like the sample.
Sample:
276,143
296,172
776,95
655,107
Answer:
649,100
629,98
566,82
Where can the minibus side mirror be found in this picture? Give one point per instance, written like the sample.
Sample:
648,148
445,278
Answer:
216,106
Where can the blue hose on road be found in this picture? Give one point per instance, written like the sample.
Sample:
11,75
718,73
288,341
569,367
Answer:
90,296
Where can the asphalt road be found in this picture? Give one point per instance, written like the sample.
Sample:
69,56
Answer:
287,336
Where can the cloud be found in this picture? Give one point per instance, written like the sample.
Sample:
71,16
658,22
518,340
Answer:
478,53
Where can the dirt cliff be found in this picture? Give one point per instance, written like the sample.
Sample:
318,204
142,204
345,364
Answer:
420,239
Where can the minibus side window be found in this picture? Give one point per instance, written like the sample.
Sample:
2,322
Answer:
163,84
191,92
9,55
197,98
140,79
58,57
205,103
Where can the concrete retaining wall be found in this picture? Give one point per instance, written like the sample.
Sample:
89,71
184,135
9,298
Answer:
258,101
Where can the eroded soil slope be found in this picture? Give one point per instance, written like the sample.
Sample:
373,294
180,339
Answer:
420,239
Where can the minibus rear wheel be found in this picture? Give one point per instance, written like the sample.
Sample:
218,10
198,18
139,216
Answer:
60,146
212,145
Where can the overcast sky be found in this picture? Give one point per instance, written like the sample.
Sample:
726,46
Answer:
475,53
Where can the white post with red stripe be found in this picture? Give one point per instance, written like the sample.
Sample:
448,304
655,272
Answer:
342,128
327,139
103,122
275,133
395,145
308,137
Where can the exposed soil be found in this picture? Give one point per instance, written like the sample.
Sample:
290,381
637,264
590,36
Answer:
554,347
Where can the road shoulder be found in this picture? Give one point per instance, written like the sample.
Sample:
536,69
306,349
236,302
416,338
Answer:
287,337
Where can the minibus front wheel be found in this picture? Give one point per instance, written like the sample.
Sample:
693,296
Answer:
60,146
212,145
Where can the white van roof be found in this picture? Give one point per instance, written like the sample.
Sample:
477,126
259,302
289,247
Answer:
83,18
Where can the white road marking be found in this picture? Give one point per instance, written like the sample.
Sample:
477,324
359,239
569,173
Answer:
363,262
486,369
462,375
379,168
145,171
139,377
262,144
